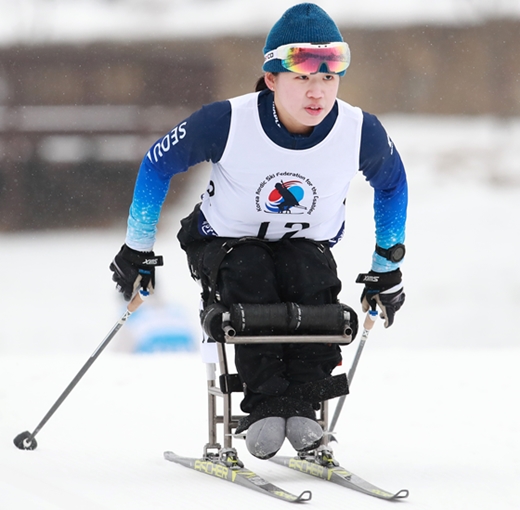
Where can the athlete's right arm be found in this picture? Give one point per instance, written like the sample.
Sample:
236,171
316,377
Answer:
200,137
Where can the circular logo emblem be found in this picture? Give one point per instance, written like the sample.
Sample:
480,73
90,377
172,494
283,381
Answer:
278,194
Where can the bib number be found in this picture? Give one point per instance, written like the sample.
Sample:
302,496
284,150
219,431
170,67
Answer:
262,231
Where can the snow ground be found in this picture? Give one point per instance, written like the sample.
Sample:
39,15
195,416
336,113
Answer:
432,407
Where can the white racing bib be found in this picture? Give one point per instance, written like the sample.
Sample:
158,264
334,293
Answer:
263,190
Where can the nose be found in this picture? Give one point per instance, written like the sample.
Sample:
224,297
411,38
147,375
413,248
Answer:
315,90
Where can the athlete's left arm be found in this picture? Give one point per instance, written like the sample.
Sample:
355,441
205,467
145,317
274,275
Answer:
383,168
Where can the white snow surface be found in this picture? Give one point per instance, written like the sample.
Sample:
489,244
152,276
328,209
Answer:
433,407
50,21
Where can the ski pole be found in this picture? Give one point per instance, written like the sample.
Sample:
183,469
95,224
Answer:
26,440
367,326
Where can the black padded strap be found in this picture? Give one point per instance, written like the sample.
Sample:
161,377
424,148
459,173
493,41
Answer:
292,319
226,247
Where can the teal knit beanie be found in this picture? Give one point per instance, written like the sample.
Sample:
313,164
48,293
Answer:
302,23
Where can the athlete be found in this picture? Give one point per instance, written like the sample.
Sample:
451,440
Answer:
282,161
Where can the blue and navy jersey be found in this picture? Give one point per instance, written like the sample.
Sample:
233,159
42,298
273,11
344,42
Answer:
203,136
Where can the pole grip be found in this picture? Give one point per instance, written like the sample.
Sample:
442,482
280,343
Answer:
137,300
370,319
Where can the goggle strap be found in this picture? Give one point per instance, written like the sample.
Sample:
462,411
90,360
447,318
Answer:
270,55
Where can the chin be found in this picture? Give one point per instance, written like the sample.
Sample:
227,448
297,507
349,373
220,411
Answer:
314,121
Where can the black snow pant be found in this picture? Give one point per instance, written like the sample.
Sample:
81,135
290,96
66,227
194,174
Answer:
252,271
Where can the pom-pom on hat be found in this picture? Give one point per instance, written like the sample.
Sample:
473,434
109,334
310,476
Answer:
302,23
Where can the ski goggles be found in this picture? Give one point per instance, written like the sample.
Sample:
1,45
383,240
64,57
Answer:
307,58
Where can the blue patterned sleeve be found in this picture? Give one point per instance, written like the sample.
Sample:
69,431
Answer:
383,168
201,137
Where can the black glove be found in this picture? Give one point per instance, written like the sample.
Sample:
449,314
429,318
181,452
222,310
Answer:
133,269
384,290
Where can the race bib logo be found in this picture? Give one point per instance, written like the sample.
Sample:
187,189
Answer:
286,193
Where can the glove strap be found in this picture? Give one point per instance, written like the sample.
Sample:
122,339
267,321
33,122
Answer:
153,261
380,281
141,258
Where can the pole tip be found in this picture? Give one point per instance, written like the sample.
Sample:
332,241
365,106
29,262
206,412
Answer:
25,441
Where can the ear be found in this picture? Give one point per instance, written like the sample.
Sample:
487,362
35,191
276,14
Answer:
270,80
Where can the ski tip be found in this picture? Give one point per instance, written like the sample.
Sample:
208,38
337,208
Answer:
304,496
404,493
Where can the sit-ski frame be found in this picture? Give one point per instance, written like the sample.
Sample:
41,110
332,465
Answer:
227,419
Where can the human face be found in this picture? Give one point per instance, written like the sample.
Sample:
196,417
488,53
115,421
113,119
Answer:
302,101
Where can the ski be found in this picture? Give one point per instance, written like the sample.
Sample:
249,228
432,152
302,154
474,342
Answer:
226,466
322,464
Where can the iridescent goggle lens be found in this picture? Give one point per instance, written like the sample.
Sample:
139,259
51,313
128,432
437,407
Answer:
308,58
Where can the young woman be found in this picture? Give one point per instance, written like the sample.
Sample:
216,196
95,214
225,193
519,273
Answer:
282,161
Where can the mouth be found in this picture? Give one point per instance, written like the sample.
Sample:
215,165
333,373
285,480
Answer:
313,110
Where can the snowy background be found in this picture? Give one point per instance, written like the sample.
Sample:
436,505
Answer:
433,408
37,21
